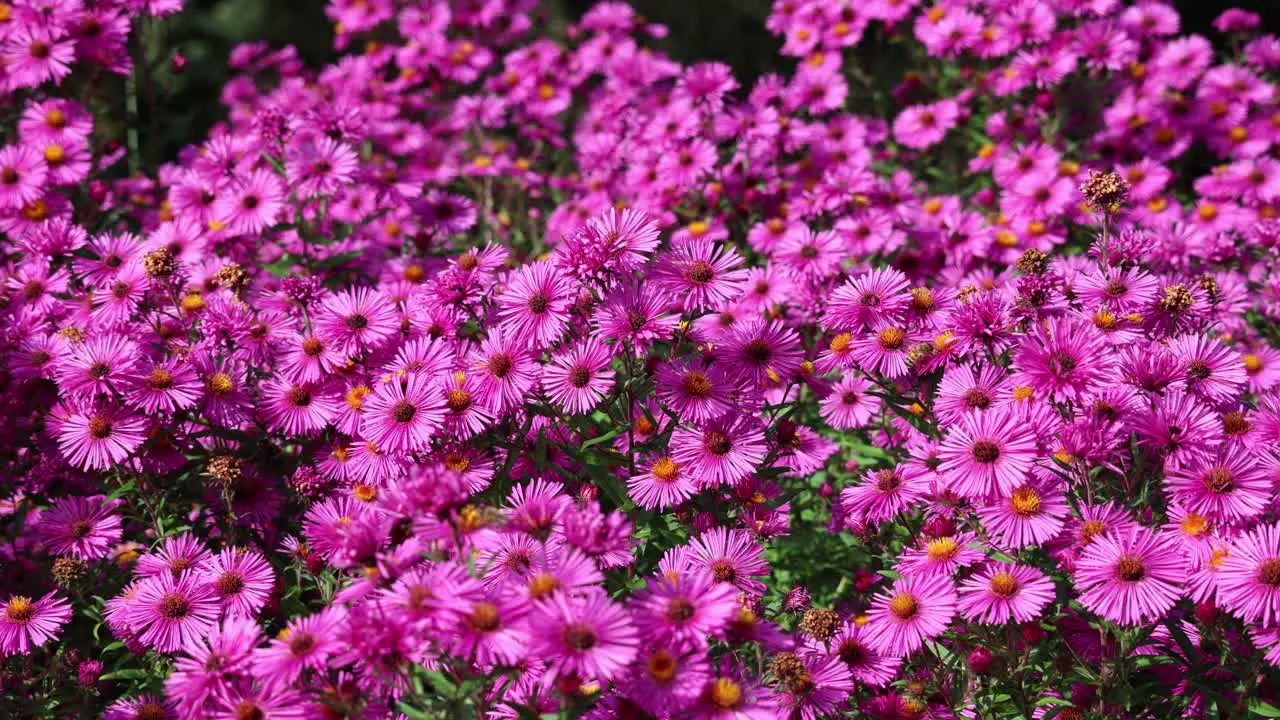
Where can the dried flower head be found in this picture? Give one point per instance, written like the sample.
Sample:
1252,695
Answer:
820,623
1105,191
1033,262
227,469
159,263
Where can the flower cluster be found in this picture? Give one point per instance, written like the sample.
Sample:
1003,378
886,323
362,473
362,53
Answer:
493,371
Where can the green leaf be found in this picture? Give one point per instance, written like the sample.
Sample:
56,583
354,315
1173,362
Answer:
125,674
1262,709
602,438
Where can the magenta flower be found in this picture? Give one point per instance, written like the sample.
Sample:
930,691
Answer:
1130,577
579,378
724,450
1231,486
27,623
729,556
357,320
696,392
536,304
910,612
700,274
849,644
922,126
1249,576
987,454
86,528
402,415
1001,592
688,608
169,612
588,636
882,494
663,484
243,579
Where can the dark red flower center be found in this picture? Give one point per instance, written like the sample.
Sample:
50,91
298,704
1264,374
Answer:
538,303
299,396
1218,479
680,610
99,428
986,452
699,272
758,351
301,643
579,636
229,583
717,443
1131,569
500,365
580,376
404,411
174,606
1269,572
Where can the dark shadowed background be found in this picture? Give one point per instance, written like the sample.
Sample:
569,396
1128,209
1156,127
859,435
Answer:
728,30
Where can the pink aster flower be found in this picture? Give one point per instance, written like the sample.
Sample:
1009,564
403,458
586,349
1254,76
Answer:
403,415
700,274
298,408
140,707
1001,592
1249,576
849,644
99,365
169,612
578,378
506,370
587,636
849,406
987,454
251,204
636,314
669,678
941,555
1230,486
84,527
243,579
307,643
1065,358
1211,369
729,556
722,451
760,352
884,493
694,391
536,303
166,385
100,435
912,611
176,555
687,608
1130,577
1032,514
357,320
663,484
22,176
922,126
27,623
873,298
